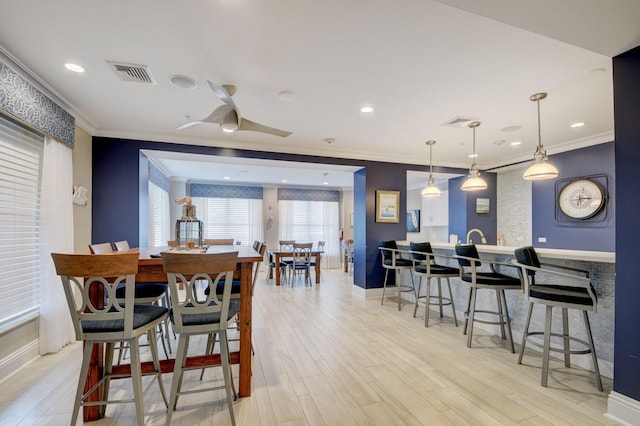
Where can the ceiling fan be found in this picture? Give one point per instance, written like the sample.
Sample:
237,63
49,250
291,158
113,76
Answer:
228,116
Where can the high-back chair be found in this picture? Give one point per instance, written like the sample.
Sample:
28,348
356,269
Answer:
392,260
477,279
562,288
218,241
108,320
425,266
196,315
301,262
152,294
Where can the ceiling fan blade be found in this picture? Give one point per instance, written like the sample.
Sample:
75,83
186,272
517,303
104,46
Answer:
187,125
222,114
222,94
246,124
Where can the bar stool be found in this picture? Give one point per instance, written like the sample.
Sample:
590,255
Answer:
392,259
568,291
426,266
467,256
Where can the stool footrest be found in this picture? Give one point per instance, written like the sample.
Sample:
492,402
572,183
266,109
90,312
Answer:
561,350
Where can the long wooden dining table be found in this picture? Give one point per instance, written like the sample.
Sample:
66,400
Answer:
283,254
150,269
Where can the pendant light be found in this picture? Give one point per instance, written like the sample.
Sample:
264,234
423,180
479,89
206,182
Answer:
540,169
431,190
474,182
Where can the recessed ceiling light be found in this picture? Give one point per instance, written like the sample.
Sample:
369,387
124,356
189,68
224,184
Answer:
366,109
516,143
284,181
227,177
510,128
499,142
183,82
473,155
325,183
73,67
578,124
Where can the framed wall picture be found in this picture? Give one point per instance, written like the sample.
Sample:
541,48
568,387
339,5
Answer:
482,205
413,221
388,206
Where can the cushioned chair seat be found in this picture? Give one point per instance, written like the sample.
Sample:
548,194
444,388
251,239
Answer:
491,278
235,288
144,290
399,262
142,315
437,270
562,294
199,319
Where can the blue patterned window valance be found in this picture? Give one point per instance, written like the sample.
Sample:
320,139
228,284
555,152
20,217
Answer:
21,99
308,194
157,177
225,191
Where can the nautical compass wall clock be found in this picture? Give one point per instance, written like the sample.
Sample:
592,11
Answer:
581,199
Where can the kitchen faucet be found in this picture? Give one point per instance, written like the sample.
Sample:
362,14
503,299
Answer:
471,231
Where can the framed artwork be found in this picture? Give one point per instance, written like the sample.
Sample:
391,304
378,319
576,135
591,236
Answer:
388,206
413,221
482,205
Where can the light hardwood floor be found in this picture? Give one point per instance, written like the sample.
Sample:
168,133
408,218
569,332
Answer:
325,356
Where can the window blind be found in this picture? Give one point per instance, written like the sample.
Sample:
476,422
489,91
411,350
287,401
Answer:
237,218
20,176
159,231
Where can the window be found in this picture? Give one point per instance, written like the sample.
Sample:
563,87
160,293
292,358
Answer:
310,222
237,218
159,227
20,176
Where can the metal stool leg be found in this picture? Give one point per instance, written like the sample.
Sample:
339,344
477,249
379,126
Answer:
525,332
453,307
547,345
593,350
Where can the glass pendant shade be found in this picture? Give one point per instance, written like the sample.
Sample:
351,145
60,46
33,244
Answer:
474,182
431,190
540,169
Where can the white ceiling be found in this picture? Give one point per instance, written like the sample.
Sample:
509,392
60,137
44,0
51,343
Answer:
420,63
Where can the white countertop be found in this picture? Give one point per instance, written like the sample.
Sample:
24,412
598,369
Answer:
545,253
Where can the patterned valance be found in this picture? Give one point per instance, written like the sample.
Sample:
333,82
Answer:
157,177
21,99
308,194
225,191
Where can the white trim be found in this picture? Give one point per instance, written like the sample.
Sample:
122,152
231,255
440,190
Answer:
622,409
19,359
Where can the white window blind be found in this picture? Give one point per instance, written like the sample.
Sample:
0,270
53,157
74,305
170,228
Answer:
20,176
237,218
158,216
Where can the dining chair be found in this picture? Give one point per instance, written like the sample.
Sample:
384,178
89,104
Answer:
218,241
565,288
392,260
477,279
301,262
117,320
425,266
194,315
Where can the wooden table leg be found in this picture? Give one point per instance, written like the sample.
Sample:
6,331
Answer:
277,268
244,388
318,269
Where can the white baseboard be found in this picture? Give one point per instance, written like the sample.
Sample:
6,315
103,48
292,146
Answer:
623,409
12,363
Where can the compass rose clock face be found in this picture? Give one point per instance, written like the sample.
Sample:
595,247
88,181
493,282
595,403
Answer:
581,199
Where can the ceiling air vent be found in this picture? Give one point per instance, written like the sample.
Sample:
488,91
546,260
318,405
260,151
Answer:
132,72
459,121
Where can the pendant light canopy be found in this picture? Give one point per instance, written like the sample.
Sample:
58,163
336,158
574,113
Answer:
540,169
474,182
431,190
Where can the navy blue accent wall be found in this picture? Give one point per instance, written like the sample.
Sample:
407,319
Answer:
462,209
360,228
588,235
626,84
120,188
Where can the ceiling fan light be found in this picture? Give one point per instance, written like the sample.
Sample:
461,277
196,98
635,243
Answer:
229,127
540,170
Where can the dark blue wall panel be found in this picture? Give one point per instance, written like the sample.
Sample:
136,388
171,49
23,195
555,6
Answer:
626,69
585,235
462,209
